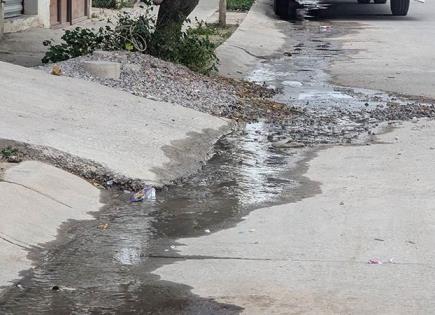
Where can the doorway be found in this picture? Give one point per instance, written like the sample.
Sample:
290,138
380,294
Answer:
68,12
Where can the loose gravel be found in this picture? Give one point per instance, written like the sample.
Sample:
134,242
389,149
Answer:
156,79
293,124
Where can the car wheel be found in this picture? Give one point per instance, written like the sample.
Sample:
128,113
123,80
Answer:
363,1
380,1
280,7
285,8
399,7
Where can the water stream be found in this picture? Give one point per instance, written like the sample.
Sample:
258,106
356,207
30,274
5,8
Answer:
105,266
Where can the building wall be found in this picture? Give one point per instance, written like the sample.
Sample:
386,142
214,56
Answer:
1,19
44,12
41,8
33,8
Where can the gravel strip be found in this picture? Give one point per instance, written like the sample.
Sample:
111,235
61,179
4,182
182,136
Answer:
307,124
156,79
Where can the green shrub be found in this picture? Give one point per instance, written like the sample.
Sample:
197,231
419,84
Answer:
109,4
112,4
239,5
137,33
8,152
77,42
192,50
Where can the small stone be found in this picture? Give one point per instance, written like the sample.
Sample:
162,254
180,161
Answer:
56,70
14,159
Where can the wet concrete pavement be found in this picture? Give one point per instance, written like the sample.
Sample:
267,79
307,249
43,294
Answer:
285,259
393,54
112,257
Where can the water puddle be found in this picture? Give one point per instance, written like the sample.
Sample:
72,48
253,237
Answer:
105,266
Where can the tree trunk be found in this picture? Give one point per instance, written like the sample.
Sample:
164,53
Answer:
172,14
223,13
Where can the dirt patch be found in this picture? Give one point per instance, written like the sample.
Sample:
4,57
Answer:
3,168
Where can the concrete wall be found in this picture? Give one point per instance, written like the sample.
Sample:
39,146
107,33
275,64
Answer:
1,19
44,12
40,8
32,8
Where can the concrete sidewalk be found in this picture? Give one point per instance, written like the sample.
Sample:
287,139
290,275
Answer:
393,54
258,37
35,199
155,142
134,137
311,257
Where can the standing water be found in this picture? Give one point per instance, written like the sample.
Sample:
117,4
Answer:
105,266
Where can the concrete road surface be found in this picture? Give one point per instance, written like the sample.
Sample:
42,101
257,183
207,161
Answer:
364,244
394,54
311,257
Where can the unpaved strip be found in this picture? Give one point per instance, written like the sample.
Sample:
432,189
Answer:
312,256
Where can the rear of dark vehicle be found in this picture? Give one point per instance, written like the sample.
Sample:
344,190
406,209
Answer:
287,8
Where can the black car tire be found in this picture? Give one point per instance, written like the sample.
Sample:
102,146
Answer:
399,7
286,9
281,8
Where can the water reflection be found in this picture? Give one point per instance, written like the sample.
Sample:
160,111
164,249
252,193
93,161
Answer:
104,266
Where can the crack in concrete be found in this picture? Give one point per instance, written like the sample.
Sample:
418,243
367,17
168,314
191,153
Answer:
249,53
6,239
38,192
205,257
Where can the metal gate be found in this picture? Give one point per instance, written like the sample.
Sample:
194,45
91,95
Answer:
13,8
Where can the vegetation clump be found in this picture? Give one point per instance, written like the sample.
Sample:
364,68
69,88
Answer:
239,5
8,152
137,33
112,4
